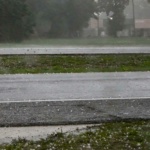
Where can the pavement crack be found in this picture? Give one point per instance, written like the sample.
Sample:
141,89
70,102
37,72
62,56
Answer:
114,116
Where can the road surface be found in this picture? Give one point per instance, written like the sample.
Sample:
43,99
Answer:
45,99
82,86
75,50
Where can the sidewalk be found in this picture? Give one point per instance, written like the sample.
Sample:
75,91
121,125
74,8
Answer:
35,133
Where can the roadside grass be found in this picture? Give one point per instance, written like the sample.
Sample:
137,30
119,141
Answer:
106,136
13,64
91,41
126,41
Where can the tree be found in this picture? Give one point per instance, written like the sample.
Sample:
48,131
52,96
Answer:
16,21
69,17
61,18
115,12
56,14
39,10
78,13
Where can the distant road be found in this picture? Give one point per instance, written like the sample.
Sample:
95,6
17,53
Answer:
75,50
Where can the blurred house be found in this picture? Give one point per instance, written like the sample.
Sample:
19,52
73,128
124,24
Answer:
98,27
142,27
95,28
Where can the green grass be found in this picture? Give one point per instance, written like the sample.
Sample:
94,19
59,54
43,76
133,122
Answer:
92,41
81,42
107,136
73,63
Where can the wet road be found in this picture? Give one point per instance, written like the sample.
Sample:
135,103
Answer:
82,86
56,99
75,50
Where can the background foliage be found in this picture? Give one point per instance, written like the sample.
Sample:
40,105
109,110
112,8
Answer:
56,18
16,21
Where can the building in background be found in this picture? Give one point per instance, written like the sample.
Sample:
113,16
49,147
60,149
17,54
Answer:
142,27
98,27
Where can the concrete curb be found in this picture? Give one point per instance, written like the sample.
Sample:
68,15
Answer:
72,112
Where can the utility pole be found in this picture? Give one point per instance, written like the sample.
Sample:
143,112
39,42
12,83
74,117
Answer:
98,20
98,25
133,11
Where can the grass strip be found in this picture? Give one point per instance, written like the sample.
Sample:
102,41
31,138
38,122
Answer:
107,136
124,41
91,41
73,63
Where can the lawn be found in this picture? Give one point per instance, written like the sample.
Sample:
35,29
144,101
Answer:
73,63
91,41
81,42
107,136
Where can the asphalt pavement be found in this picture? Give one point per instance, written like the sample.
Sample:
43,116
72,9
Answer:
52,99
54,50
